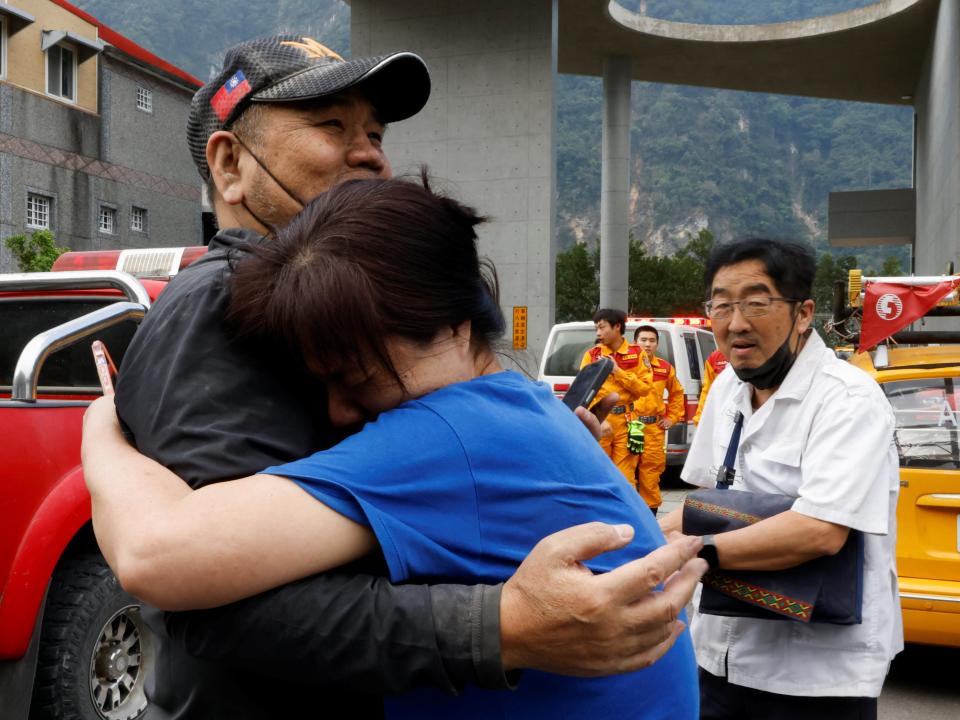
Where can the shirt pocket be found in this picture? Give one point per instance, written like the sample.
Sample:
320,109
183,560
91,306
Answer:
841,639
775,469
788,454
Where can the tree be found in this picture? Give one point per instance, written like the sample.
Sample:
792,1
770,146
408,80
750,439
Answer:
36,253
672,285
578,284
830,271
891,267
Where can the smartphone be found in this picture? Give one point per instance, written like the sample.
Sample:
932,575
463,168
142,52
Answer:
587,383
106,370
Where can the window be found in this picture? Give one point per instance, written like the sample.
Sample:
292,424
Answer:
690,343
568,350
928,422
107,222
38,211
138,219
3,47
707,344
61,72
144,99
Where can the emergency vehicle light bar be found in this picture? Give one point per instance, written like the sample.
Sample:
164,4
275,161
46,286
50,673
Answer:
141,263
692,321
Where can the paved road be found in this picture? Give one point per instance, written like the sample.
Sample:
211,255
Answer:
924,684
924,681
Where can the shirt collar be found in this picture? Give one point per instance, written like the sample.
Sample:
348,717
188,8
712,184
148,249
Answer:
230,238
622,350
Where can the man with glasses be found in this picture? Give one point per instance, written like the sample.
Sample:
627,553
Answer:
816,429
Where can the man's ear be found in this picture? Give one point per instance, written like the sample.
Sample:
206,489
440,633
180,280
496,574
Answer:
223,159
805,315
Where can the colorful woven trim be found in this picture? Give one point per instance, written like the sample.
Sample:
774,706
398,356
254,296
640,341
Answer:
761,597
722,511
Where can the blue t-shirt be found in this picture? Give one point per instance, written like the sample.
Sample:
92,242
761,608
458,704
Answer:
458,486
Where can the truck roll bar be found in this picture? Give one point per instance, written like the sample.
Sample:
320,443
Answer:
77,280
27,371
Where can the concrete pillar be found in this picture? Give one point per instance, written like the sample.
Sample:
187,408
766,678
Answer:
615,184
487,131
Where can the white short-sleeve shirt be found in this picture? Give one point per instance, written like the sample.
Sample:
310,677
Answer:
825,437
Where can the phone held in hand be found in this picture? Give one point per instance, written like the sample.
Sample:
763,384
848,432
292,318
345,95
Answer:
106,370
587,383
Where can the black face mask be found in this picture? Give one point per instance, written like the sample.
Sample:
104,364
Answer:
772,372
273,177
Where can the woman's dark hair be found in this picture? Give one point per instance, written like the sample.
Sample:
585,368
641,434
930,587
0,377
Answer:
791,265
364,261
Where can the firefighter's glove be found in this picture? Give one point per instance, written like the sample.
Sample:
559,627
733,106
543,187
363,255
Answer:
635,436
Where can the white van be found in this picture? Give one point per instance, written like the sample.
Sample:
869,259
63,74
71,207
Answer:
685,343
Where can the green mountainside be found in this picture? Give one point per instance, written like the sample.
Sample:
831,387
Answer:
736,163
193,35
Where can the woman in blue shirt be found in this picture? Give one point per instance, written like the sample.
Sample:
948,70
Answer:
459,469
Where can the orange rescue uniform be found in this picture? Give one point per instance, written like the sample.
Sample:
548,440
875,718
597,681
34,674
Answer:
654,458
713,366
634,385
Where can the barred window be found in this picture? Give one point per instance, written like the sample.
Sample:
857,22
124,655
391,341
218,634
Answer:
138,219
38,211
108,220
144,99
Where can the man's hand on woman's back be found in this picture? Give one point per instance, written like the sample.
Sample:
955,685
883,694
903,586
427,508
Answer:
557,616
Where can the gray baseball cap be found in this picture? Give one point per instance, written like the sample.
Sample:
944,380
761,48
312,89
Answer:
294,68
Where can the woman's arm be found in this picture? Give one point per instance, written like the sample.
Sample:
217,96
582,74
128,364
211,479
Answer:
181,549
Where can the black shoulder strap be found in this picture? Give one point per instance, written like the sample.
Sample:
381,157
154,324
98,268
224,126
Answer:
726,472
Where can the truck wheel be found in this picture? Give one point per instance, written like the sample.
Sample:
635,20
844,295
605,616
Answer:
94,647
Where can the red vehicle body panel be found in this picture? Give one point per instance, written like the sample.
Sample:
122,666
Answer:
44,504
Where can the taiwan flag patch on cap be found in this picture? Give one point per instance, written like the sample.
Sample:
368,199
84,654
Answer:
226,98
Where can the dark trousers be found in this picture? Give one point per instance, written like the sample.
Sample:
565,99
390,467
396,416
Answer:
720,700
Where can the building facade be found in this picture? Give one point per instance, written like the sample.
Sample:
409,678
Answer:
91,135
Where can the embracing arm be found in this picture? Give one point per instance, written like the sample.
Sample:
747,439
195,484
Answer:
360,633
181,549
355,633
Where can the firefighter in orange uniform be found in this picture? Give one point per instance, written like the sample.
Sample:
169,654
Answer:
667,413
631,379
713,366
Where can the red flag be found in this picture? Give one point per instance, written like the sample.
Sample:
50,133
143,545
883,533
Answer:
889,307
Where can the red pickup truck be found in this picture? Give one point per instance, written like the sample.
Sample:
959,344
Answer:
72,643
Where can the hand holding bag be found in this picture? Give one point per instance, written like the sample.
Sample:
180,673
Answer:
827,589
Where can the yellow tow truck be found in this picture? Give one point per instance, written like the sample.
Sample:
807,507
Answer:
919,373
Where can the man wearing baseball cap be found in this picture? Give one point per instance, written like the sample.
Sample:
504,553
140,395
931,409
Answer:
283,121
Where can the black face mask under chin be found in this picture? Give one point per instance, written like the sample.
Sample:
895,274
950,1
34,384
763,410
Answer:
273,177
772,372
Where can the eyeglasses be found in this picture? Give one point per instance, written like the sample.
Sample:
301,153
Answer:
753,306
